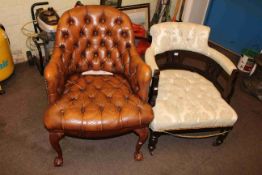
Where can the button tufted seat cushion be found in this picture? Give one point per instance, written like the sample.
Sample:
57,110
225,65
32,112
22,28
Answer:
97,103
186,100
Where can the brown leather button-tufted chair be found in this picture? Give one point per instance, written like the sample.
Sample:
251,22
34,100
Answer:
90,106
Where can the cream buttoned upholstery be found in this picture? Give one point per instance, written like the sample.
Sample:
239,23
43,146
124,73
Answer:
187,100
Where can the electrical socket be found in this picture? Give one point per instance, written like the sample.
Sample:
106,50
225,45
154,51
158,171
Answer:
18,56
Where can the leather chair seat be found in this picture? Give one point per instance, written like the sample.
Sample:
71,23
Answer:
95,103
187,100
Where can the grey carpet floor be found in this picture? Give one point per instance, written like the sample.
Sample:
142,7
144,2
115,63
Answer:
25,149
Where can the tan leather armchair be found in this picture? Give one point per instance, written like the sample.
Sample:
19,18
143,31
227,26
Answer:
96,38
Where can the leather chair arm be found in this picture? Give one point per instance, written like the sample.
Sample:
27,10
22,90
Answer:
55,77
141,75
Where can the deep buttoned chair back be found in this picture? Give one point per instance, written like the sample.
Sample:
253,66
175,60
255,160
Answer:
92,39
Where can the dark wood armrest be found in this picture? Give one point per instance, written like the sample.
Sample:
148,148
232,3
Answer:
154,87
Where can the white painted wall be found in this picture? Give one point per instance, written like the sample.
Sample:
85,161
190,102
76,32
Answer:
195,11
15,13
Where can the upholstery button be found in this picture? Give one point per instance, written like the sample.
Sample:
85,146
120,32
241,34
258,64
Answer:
71,21
102,20
65,34
124,34
101,108
76,45
91,97
97,88
108,54
90,66
119,108
62,46
62,111
115,44
82,89
109,33
88,44
102,43
73,99
88,82
82,32
108,96
83,54
128,45
87,20
139,109
102,63
136,88
118,21
58,90
95,54
83,109
95,33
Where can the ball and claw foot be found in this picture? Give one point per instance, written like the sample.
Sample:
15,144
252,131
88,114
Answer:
139,156
58,161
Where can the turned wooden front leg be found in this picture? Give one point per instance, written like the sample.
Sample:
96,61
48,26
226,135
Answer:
143,134
54,139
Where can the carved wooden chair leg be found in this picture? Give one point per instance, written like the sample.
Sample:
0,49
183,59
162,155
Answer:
220,139
143,134
54,139
153,139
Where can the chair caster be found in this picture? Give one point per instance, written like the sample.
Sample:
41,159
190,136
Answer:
151,149
2,91
217,142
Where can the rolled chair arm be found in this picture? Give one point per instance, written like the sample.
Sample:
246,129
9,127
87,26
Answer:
229,67
55,77
222,60
150,58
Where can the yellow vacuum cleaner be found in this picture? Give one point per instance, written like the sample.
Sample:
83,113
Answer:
6,60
